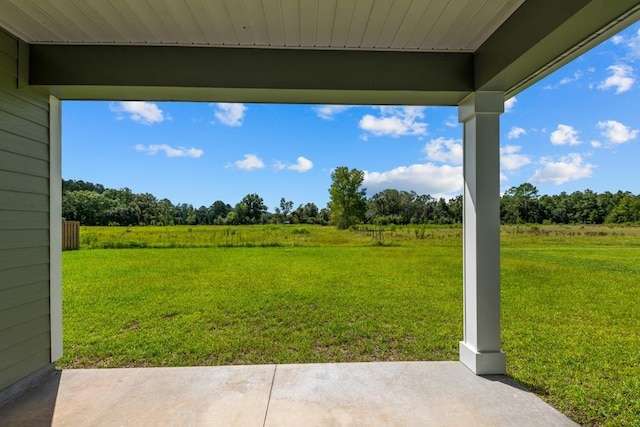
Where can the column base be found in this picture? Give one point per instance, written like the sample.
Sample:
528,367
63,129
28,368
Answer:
486,363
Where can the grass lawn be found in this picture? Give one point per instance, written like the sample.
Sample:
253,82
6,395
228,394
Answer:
281,295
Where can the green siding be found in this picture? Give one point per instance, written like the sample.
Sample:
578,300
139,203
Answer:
19,163
23,257
20,295
17,220
8,46
38,326
21,275
15,201
24,223
16,105
14,316
16,239
7,64
16,144
19,126
21,182
25,348
29,365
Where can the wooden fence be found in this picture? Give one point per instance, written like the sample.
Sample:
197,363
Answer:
70,235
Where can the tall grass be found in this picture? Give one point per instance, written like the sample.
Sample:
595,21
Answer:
250,236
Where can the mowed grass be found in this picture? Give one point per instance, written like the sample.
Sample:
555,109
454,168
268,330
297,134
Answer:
570,318
175,307
571,328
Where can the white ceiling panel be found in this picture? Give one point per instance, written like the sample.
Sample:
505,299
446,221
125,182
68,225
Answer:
308,23
275,26
396,15
291,22
324,31
421,25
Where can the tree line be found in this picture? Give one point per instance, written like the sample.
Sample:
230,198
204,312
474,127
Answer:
93,204
519,205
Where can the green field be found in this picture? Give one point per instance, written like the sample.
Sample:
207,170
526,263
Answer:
300,294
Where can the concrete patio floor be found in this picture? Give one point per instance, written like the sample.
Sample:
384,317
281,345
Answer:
346,394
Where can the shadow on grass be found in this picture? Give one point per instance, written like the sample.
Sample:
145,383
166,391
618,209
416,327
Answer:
507,380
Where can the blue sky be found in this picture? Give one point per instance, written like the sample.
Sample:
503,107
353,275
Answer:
576,129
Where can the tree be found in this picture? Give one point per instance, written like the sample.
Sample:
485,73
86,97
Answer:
348,201
218,211
628,210
455,207
250,209
520,205
285,208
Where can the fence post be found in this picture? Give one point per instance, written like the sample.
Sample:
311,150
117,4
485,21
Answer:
70,235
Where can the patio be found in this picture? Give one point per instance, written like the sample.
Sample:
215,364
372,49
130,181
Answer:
368,394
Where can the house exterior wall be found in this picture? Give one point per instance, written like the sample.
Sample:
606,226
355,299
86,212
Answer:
25,326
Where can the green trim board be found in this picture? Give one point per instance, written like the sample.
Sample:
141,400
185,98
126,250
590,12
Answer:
250,75
543,35
249,68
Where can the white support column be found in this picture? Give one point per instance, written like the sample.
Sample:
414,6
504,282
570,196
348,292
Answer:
480,350
55,228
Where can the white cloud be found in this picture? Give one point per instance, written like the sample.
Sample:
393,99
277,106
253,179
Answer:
616,132
509,104
632,43
576,76
510,159
568,168
621,78
143,112
250,162
617,39
170,151
452,122
565,135
444,150
596,144
516,132
230,114
421,178
395,122
566,80
302,165
327,112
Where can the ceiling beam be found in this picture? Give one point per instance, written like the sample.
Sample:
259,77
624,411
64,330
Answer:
251,75
543,35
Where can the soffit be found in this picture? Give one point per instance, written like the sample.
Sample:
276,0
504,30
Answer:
401,25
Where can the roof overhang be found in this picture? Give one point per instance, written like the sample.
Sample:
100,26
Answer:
528,40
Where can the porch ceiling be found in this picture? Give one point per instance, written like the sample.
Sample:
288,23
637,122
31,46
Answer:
325,51
416,25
